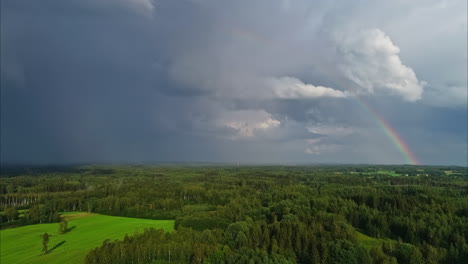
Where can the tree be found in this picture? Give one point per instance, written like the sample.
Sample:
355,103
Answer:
33,214
11,213
63,226
45,243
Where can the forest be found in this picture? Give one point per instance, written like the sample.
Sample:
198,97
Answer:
255,214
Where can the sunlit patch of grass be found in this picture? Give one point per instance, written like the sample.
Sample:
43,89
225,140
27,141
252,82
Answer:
87,231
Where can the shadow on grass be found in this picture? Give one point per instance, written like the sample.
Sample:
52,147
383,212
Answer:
70,229
56,246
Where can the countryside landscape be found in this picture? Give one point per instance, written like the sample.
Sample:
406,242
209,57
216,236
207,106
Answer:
232,214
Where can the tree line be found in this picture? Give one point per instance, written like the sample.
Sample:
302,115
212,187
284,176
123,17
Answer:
262,214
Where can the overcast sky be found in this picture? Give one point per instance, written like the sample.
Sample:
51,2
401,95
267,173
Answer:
249,81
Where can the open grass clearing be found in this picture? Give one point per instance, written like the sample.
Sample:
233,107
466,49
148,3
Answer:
87,231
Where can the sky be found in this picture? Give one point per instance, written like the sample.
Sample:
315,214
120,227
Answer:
248,81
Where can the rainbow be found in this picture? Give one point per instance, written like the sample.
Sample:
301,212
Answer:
394,137
391,133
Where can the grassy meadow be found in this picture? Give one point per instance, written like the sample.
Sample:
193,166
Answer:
87,231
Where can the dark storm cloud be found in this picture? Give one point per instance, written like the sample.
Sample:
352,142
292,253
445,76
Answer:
248,81
83,82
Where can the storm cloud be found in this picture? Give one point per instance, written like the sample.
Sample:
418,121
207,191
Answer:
232,81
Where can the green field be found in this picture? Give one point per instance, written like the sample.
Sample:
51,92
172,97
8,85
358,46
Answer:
24,244
370,242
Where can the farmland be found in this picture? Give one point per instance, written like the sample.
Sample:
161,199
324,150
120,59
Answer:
23,244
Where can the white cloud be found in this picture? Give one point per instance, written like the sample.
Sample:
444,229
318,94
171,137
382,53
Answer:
328,130
293,88
327,140
246,123
371,61
316,146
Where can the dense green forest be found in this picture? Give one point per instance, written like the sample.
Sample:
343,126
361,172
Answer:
257,214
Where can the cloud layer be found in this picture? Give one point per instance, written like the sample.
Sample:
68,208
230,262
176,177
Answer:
293,88
210,80
248,123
